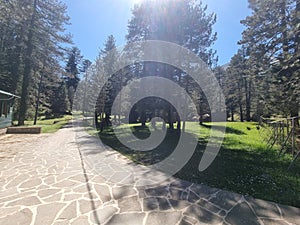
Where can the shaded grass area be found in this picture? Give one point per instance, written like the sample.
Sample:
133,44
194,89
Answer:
50,125
89,126
244,164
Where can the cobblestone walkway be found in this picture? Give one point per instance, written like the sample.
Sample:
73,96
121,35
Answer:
69,178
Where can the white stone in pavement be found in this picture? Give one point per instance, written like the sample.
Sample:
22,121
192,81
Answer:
22,217
103,215
158,218
31,183
242,214
130,204
127,219
82,220
48,192
26,201
69,213
46,213
274,222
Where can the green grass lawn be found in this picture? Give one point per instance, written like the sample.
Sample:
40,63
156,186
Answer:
50,125
244,164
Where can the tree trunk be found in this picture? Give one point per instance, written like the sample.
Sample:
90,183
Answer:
183,126
120,102
295,109
143,119
295,113
201,119
240,101
200,112
27,69
84,95
96,120
107,119
248,99
15,69
178,124
170,116
297,35
38,97
164,125
241,112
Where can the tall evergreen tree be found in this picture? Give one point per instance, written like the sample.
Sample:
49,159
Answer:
27,26
72,72
108,59
235,81
86,79
272,37
58,99
186,24
12,34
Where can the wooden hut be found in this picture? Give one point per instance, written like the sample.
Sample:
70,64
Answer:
6,108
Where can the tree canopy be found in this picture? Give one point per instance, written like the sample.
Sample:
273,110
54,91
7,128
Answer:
270,61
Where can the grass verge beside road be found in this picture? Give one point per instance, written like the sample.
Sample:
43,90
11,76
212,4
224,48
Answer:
244,164
50,125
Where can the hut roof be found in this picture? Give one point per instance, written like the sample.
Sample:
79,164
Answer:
8,94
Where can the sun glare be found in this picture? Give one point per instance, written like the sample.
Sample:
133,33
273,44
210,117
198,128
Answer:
135,1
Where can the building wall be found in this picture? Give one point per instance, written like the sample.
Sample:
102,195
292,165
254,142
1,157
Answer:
6,110
5,121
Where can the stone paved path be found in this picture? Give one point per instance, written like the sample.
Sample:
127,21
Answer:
69,178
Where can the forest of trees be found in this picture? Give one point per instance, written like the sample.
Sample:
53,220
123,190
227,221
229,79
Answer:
263,77
38,62
181,25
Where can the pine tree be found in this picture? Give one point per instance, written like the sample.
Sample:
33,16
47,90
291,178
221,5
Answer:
32,33
58,99
272,37
12,26
107,59
186,24
86,79
72,72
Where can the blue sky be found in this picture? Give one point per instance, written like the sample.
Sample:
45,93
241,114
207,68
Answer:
93,21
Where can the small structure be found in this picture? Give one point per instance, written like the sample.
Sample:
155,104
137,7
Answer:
6,108
24,130
283,132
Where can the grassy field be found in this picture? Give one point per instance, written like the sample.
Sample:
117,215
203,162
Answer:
244,164
50,125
